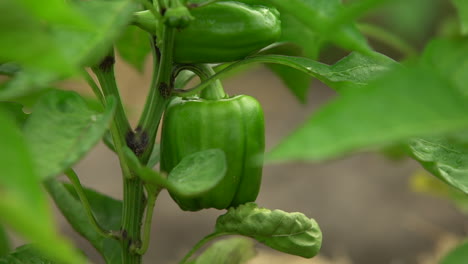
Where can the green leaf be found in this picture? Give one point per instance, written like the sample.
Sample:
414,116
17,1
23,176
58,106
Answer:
310,43
405,103
15,110
21,198
399,16
462,7
450,59
196,173
26,254
235,250
109,18
354,71
56,11
58,50
62,129
27,82
134,47
4,242
292,233
444,158
29,41
457,255
320,15
357,69
106,210
199,172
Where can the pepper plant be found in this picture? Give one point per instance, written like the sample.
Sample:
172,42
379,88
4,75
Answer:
211,151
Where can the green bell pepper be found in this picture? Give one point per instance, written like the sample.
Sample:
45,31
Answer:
213,120
220,32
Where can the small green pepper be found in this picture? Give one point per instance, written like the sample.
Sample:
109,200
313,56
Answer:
232,124
221,32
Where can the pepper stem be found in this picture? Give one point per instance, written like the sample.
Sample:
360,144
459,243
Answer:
213,91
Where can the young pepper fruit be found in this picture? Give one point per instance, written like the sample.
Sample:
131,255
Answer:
232,124
220,32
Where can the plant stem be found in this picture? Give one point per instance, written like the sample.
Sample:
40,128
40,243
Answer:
75,181
159,94
134,198
105,74
133,208
152,195
200,243
93,86
387,38
120,126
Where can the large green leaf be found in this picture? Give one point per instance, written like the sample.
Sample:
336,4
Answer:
458,255
443,157
450,59
399,17
420,99
22,203
29,41
56,11
320,16
235,250
405,103
61,129
292,233
462,7
26,82
49,47
106,210
134,47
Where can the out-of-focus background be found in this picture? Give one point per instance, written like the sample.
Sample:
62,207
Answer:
363,202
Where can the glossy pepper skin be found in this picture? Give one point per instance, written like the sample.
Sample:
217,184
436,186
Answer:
226,31
220,32
234,125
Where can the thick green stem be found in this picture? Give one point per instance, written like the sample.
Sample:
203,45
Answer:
159,94
134,197
133,208
120,127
